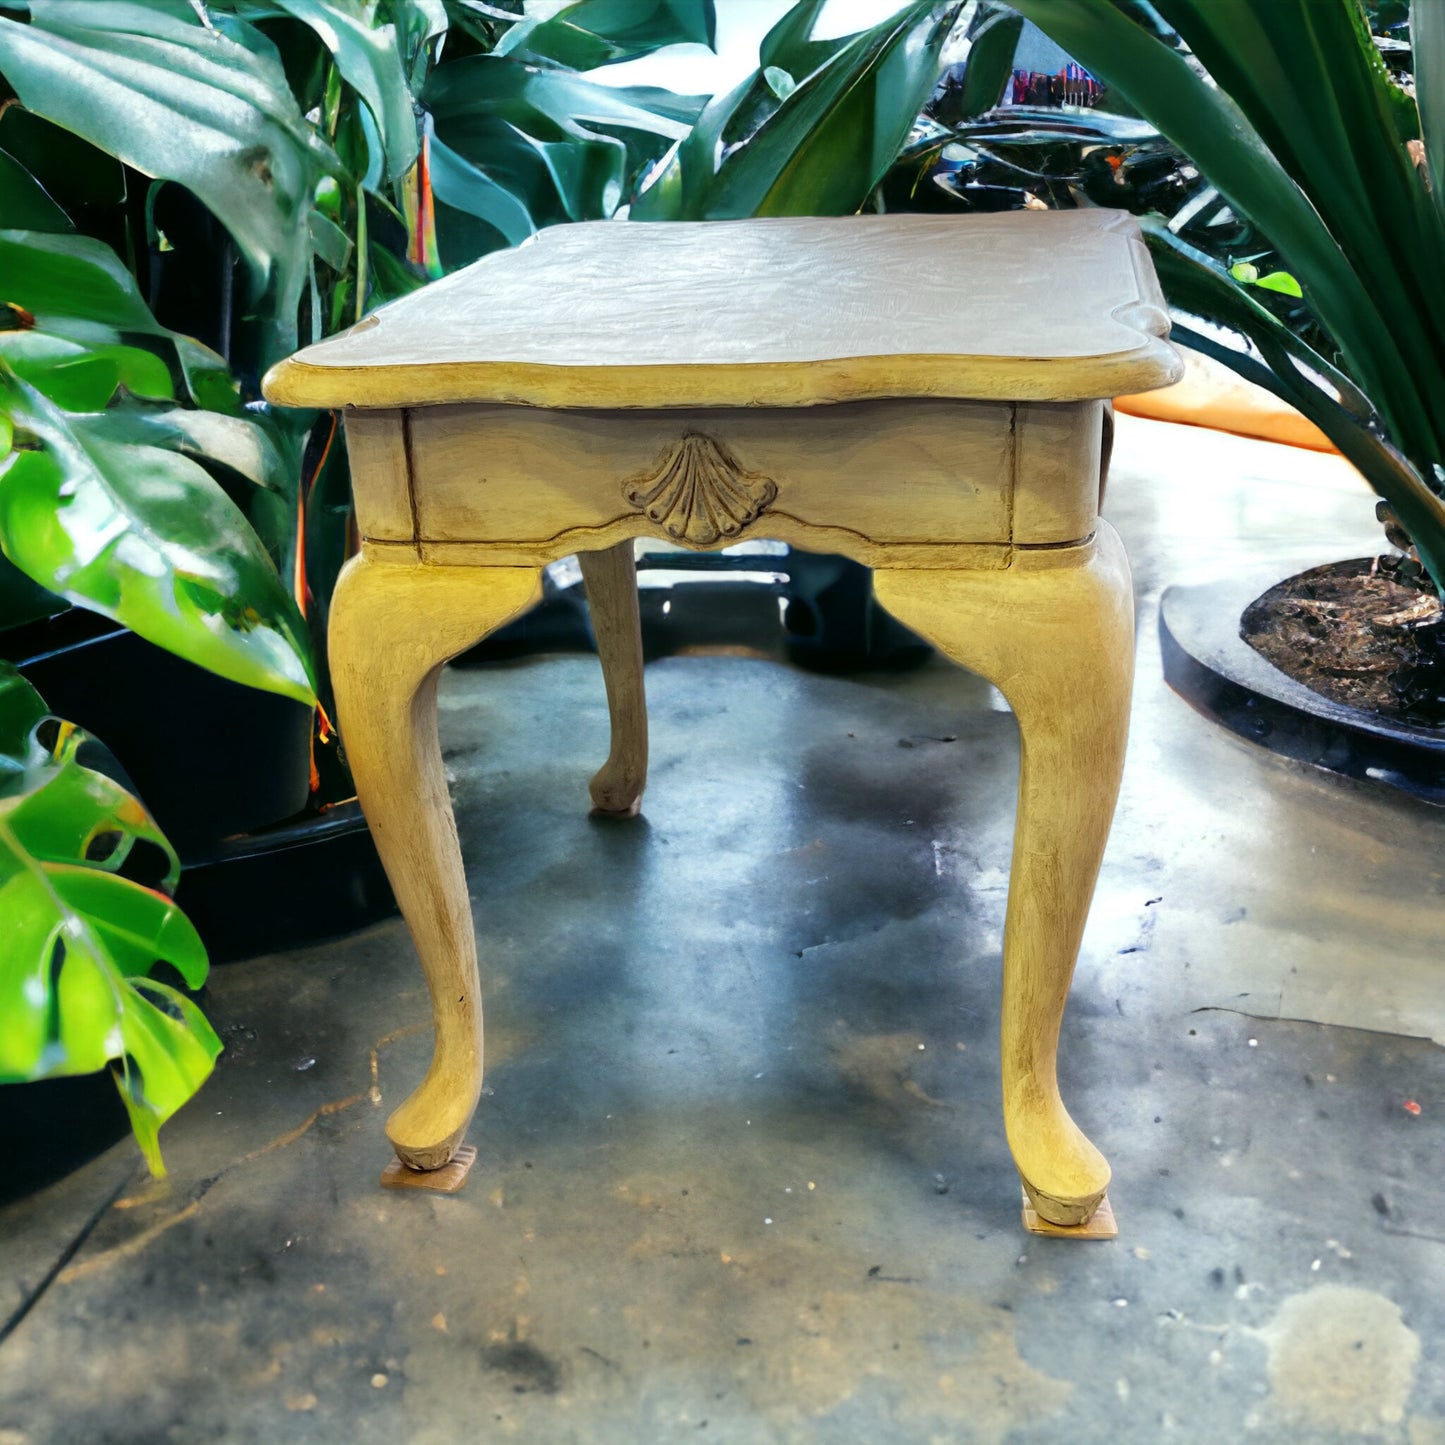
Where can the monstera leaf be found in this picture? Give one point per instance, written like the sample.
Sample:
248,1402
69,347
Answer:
80,936
370,61
103,496
204,102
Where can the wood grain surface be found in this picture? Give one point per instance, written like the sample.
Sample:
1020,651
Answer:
1028,305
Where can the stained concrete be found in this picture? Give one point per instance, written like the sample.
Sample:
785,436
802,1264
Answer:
741,1174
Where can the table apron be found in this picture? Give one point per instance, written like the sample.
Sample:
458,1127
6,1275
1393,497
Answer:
914,477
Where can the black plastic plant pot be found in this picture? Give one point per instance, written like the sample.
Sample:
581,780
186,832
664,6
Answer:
300,882
829,620
49,1128
225,770
209,757
833,622
1210,665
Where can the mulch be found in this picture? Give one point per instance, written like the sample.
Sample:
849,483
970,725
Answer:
1369,634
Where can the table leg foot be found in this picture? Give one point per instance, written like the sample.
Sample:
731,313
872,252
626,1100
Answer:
426,1129
632,810
446,1180
1098,1224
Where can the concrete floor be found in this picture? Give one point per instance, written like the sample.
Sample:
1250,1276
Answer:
742,1175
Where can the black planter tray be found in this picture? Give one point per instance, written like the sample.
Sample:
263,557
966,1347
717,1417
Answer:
297,883
1213,669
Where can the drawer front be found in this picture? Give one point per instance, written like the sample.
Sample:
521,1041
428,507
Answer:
894,471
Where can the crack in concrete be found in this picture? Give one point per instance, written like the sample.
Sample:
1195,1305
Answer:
134,1244
142,1238
63,1272
1280,1018
57,1268
374,1093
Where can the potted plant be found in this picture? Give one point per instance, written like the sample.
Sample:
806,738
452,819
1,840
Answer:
86,880
1289,112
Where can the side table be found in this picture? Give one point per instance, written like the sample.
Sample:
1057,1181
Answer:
925,395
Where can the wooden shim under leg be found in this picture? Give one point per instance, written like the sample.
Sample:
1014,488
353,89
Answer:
1101,1226
446,1180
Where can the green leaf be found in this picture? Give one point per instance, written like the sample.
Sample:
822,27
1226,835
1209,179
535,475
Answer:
1309,78
465,187
779,81
247,444
594,33
21,709
1280,281
561,148
823,149
1295,372
1427,43
132,531
789,46
182,101
80,937
77,288
1209,127
69,807
24,202
144,535
371,64
330,242
418,23
990,62
136,925
166,1059
83,378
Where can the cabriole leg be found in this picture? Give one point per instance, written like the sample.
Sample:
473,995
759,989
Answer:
392,627
1054,632
611,578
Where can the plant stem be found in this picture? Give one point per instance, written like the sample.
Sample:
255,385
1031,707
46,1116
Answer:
360,252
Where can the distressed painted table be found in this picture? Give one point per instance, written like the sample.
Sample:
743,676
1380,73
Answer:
923,394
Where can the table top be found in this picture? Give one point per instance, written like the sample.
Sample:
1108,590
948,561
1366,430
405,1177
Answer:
1028,305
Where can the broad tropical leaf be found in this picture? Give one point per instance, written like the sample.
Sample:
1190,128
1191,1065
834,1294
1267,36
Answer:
146,536
184,101
522,146
786,143
990,62
1293,371
100,500
1207,124
1427,44
593,33
418,23
77,288
80,937
370,61
1308,78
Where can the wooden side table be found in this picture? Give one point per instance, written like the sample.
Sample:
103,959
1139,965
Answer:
922,394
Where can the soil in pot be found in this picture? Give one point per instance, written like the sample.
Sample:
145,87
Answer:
1368,634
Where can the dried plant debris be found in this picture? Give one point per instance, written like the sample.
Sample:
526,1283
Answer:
1368,633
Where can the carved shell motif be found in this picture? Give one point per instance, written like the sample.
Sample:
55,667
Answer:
699,493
